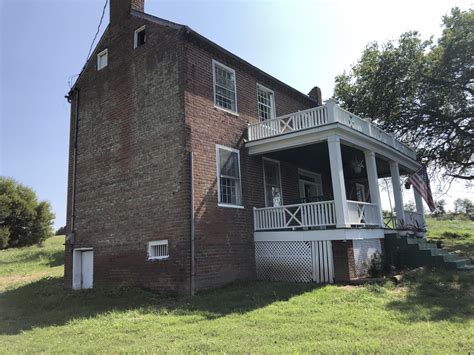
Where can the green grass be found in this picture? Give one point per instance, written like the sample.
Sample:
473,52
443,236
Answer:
464,244
430,312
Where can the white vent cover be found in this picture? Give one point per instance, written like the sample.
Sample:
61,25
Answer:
158,249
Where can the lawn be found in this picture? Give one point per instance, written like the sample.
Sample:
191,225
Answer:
462,242
429,312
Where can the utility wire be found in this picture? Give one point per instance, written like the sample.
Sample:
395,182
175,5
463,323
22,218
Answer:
98,29
92,45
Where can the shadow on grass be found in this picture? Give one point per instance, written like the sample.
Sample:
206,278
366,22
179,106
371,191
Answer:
45,303
437,295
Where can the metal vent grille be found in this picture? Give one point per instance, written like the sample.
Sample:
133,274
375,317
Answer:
294,261
158,250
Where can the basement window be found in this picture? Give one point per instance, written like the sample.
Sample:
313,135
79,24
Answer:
102,59
139,37
158,250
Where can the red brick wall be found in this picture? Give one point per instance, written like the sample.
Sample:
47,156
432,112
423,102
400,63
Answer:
138,120
132,166
343,256
224,236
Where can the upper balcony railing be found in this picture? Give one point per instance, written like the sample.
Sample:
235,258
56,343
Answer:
320,116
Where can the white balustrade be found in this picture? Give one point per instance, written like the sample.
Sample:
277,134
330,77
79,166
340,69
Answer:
297,121
414,219
318,116
363,213
315,214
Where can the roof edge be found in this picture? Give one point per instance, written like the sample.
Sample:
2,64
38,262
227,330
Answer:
207,41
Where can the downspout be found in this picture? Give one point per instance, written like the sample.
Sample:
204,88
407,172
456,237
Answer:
71,235
193,262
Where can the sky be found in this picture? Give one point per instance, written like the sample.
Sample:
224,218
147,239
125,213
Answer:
44,43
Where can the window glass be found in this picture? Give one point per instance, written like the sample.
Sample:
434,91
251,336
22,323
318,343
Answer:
265,102
224,87
229,177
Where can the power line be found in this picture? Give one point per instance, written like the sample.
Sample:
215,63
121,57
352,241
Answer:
92,45
98,29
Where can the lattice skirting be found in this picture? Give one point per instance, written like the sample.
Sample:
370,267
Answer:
363,251
295,261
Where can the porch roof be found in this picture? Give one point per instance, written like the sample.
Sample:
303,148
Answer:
316,125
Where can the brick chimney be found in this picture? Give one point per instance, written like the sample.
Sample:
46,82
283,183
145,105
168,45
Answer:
315,94
120,8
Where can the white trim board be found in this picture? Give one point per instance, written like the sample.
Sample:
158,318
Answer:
315,235
347,135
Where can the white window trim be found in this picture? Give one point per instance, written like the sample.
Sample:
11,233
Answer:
264,179
100,54
359,185
218,176
158,242
135,36
214,63
264,88
311,174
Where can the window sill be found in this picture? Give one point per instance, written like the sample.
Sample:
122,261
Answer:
230,206
225,110
157,258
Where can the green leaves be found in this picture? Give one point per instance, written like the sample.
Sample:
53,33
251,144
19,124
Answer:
421,91
23,220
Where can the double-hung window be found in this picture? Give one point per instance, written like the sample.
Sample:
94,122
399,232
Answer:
265,102
228,177
225,92
102,59
139,37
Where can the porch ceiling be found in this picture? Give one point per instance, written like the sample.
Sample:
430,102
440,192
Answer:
315,157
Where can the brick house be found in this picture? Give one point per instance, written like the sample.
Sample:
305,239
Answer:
190,168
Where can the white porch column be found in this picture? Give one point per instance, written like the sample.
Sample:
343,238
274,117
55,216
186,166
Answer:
373,182
331,106
397,192
419,203
338,186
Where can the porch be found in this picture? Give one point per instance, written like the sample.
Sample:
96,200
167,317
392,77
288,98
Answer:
339,158
322,219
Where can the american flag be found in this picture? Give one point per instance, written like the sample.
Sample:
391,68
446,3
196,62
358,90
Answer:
421,183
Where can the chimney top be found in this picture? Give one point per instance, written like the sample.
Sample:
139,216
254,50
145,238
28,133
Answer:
315,94
120,8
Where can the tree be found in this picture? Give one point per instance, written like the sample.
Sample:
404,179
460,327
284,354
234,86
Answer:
23,219
421,91
440,208
61,231
464,206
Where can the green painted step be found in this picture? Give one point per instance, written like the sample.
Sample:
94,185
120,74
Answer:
419,251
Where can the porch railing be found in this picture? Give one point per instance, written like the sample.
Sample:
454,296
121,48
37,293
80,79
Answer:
414,219
293,122
315,214
319,116
363,213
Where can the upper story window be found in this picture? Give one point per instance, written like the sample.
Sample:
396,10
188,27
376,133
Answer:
225,92
228,177
265,102
102,59
139,37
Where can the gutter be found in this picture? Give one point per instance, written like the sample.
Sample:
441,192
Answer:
193,261
70,237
